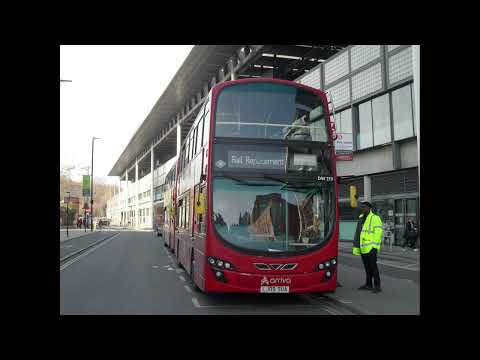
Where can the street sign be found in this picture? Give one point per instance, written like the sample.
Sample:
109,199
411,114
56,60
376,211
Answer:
86,185
344,147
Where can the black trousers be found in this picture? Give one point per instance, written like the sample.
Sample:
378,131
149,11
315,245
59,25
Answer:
371,268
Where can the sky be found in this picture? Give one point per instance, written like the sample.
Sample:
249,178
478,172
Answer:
112,91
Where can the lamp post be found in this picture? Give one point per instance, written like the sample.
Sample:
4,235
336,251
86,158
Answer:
68,192
91,188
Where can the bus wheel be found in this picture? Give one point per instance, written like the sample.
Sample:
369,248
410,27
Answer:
192,276
177,257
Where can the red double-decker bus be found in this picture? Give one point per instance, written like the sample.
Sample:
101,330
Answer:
168,232
255,198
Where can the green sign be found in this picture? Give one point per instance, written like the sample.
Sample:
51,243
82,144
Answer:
86,185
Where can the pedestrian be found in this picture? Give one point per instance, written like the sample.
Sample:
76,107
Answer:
410,235
366,243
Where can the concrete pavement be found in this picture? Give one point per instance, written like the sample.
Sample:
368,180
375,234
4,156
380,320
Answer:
72,233
400,281
133,273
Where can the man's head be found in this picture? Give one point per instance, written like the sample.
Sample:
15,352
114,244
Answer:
365,207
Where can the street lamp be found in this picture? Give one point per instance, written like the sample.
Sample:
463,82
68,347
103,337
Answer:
91,187
68,192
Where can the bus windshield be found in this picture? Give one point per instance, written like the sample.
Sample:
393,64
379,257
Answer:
271,216
270,111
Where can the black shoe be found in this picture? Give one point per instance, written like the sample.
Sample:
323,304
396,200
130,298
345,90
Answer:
365,287
376,290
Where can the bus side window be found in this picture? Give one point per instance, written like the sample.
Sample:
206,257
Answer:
187,211
177,215
196,217
201,131
194,138
182,158
206,131
196,141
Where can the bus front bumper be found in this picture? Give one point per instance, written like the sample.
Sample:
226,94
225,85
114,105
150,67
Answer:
268,283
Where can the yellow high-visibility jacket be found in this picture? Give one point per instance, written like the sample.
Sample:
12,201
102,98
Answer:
371,235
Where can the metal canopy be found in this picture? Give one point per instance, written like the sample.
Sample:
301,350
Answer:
288,62
202,65
199,67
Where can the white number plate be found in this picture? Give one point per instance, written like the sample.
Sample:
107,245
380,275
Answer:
274,289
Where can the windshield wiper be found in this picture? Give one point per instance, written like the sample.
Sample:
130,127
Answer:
275,179
243,182
233,178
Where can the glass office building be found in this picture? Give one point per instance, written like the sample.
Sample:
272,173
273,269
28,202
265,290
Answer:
373,95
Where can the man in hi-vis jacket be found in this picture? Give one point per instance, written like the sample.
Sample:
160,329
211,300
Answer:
368,237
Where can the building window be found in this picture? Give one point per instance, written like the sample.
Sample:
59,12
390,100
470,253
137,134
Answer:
381,120
343,121
402,113
364,133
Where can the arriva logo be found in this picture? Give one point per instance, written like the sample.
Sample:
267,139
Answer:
266,281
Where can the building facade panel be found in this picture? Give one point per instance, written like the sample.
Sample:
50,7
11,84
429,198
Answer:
392,47
366,82
336,68
409,153
363,54
312,78
400,66
340,93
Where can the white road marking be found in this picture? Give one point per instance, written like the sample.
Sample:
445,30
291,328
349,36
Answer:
346,301
155,266
182,278
68,263
195,303
316,302
187,288
179,271
411,265
257,308
329,310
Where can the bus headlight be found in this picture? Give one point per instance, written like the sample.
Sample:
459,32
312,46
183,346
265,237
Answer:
219,263
321,266
334,261
327,264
